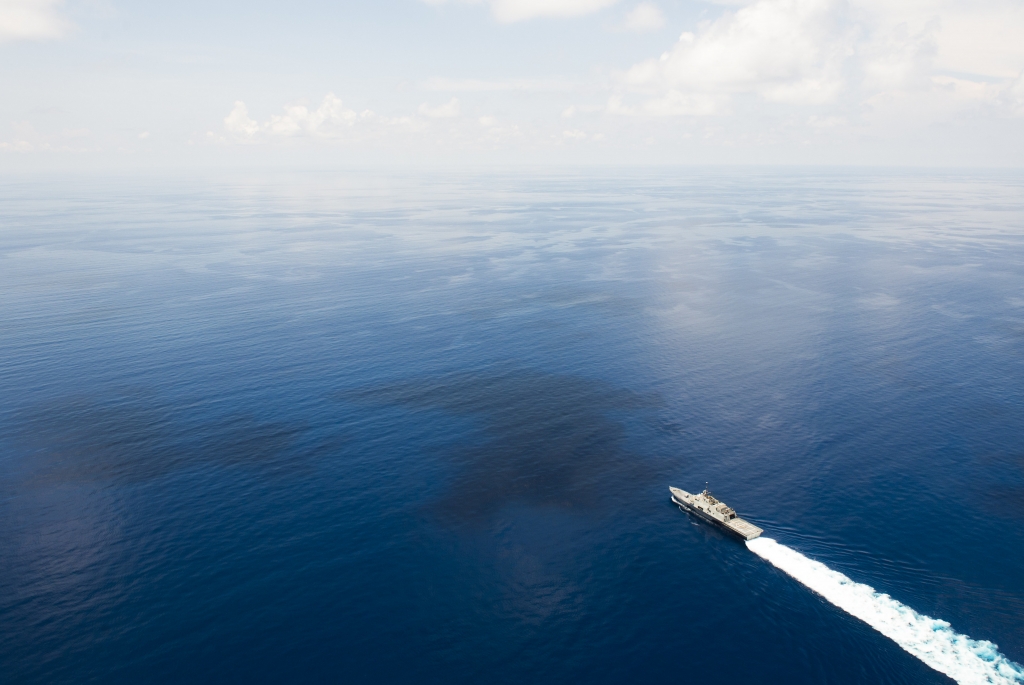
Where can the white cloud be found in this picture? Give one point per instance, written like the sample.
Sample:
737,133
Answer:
329,119
509,11
446,111
518,10
785,50
835,53
899,59
31,19
238,122
984,37
493,131
644,17
16,146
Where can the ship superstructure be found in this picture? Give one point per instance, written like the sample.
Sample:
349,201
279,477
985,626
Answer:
707,507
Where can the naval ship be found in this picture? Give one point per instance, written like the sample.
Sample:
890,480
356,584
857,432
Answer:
707,507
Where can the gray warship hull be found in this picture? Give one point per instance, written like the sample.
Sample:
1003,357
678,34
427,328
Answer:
707,508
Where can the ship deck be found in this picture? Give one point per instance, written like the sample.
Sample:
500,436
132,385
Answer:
744,528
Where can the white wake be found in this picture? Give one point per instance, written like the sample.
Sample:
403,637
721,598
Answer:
966,661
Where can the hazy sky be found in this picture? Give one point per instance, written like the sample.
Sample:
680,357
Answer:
118,83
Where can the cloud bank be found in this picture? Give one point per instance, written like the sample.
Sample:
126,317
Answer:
821,53
31,20
761,81
330,120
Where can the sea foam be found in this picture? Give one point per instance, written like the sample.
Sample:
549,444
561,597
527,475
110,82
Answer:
966,661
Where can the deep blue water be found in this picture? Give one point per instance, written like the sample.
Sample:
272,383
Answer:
373,428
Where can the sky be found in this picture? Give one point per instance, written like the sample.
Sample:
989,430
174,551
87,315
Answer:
117,84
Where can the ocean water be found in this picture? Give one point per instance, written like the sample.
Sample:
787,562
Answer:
420,428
